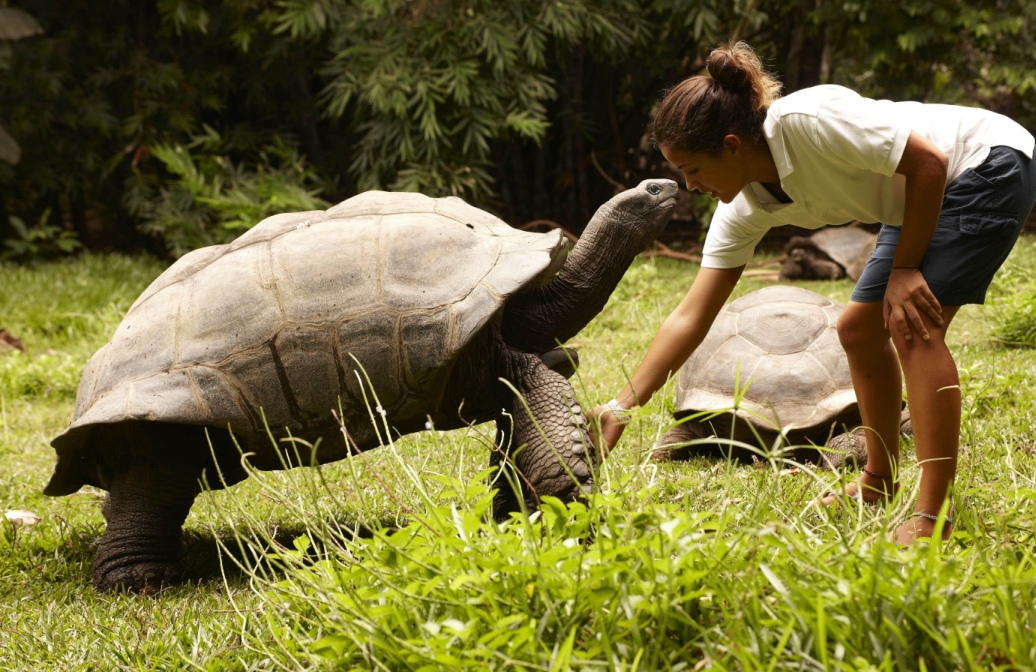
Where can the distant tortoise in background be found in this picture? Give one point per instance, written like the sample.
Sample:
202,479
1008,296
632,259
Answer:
412,306
779,347
831,253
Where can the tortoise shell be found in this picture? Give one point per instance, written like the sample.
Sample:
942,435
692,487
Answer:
367,305
774,355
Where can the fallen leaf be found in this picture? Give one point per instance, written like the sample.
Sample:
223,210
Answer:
21,517
10,341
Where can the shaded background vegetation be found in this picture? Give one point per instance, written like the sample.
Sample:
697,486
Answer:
169,124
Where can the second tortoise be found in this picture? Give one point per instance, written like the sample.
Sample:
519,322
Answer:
770,374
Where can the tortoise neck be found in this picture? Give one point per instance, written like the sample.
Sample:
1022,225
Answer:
538,319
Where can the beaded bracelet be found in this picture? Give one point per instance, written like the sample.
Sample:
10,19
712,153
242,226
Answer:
621,414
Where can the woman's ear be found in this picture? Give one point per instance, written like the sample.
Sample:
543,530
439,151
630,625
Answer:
732,144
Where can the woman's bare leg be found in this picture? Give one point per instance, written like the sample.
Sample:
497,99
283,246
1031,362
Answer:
878,384
933,393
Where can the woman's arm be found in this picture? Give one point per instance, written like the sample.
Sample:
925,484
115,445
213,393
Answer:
677,338
924,166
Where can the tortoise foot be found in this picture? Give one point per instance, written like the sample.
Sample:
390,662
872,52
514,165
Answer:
672,447
146,578
145,508
844,451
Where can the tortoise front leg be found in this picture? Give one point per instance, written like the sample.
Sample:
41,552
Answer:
151,488
547,440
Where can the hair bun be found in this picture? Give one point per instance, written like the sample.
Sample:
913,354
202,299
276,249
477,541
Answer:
723,66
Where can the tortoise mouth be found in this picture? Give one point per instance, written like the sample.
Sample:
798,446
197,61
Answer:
664,206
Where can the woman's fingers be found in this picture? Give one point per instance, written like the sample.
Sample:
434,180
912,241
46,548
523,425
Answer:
913,316
931,305
906,298
605,429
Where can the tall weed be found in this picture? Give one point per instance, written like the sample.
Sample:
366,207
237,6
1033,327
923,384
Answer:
641,575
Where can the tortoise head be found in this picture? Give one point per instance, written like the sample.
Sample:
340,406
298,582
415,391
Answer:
641,212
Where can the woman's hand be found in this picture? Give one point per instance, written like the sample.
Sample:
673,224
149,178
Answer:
906,297
605,429
679,335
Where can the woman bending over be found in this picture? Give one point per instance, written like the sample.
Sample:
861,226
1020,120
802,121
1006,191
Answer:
952,187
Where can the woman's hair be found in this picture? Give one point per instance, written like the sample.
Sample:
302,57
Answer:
730,97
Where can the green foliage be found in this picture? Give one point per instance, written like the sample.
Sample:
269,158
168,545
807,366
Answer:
973,54
534,109
571,586
437,83
740,576
1012,299
105,84
211,199
39,241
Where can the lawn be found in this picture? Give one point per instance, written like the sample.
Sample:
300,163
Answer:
389,560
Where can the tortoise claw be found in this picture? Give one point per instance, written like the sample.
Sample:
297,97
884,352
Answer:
143,579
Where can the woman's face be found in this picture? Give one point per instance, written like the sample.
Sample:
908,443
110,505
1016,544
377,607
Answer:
720,176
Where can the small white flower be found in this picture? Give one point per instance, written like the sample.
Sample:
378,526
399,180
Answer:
381,411
428,425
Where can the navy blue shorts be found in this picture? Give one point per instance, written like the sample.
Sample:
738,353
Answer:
983,211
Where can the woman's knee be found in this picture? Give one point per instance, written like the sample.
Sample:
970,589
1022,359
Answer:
922,350
860,326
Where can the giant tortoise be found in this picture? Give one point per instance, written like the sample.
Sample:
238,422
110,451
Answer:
410,309
770,365
831,253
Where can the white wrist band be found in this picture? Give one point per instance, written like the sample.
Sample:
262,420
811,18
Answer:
621,414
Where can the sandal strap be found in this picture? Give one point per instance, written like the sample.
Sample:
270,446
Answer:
932,517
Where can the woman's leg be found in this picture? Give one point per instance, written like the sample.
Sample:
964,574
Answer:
878,384
933,393
934,396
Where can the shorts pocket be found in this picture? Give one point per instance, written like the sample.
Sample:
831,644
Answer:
1002,165
972,175
987,224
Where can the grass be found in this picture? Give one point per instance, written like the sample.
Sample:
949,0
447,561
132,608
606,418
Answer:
389,561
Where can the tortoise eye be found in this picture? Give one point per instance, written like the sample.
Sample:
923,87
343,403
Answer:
654,189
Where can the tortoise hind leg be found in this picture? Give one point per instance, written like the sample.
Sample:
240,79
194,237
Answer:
153,474
551,448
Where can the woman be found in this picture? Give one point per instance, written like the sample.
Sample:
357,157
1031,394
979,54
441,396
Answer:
952,187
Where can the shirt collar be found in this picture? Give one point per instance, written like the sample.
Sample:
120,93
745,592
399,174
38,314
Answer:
775,140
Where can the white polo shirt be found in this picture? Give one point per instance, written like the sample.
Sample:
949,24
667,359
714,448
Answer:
836,154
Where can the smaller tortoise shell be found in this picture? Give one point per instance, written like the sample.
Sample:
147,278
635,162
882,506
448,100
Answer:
780,343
